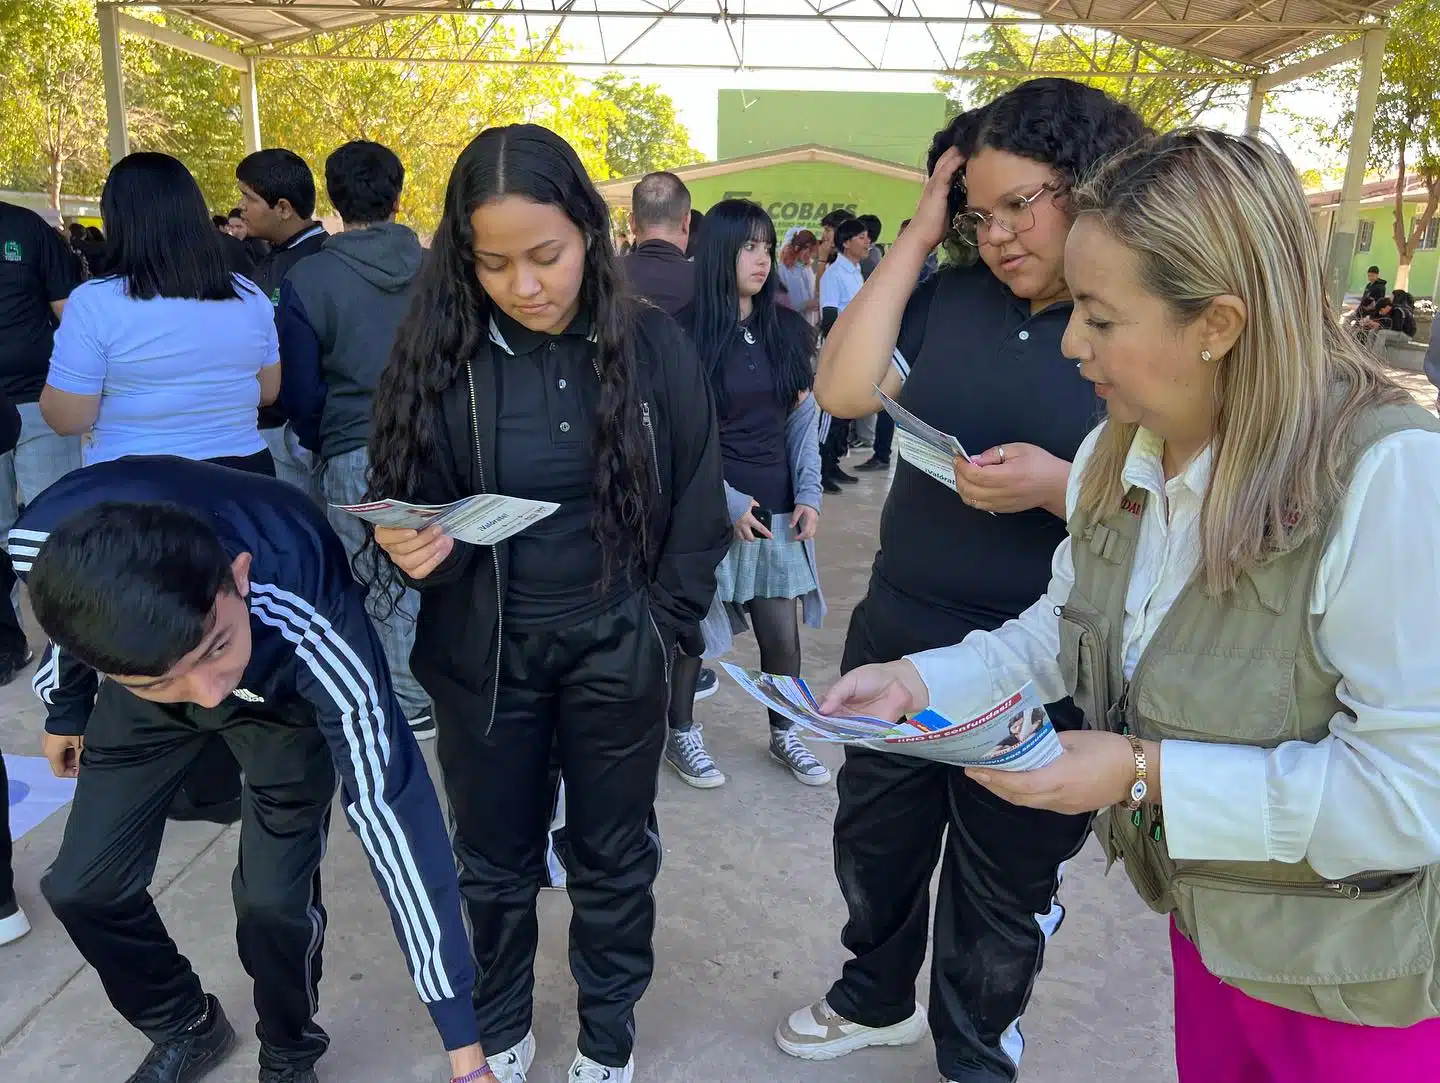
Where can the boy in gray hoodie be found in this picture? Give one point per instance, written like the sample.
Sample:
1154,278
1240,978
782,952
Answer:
338,313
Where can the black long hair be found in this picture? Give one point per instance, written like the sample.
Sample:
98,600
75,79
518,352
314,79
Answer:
158,232
788,340
448,325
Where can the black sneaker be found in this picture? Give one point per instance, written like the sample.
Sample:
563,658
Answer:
193,1054
873,463
422,726
707,684
844,478
288,1075
12,662
830,485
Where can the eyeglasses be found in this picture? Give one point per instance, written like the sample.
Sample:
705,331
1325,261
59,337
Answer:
1014,216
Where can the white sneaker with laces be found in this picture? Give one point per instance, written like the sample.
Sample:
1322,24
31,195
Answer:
512,1065
818,1032
788,750
585,1070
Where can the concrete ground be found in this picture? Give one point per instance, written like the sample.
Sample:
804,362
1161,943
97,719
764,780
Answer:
749,928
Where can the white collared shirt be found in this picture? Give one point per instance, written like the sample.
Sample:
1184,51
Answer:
841,282
1366,797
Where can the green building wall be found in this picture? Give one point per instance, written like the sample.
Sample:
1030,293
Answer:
801,193
1383,254
893,127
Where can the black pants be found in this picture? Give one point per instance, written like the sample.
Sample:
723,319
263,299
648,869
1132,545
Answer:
996,903
835,446
884,436
12,636
136,756
598,691
7,871
776,623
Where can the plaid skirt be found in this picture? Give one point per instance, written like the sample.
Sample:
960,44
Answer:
765,568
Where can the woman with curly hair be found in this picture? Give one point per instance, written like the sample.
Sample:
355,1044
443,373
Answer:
524,368
981,342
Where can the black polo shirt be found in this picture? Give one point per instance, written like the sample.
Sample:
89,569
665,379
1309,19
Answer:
36,269
987,371
753,423
547,393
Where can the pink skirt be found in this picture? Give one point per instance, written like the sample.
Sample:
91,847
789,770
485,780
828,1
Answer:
1224,1036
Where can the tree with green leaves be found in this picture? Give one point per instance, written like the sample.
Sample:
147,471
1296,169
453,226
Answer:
1406,140
642,133
1012,52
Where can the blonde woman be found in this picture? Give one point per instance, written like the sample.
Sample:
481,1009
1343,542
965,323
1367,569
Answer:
1245,608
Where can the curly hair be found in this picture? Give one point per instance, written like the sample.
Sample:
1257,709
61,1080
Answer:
448,324
1069,126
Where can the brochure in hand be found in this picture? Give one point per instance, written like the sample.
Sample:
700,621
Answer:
1014,735
480,520
922,445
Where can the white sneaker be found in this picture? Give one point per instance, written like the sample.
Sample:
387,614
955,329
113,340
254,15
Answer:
511,1065
585,1070
13,924
817,1032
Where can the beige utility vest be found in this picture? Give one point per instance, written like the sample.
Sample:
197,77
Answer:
1243,669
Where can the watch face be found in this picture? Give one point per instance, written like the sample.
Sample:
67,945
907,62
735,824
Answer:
1138,791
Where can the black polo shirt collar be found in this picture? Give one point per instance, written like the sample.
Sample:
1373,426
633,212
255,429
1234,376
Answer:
516,339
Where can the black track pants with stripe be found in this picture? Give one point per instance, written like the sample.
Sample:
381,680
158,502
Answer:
996,906
597,693
136,757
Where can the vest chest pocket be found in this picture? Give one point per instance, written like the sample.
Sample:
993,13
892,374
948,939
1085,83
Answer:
1240,697
1083,663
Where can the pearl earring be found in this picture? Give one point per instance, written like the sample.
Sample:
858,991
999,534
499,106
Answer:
1206,355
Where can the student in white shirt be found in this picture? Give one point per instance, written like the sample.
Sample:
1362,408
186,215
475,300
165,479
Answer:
838,287
1245,430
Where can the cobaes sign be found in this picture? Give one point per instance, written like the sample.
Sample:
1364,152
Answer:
789,212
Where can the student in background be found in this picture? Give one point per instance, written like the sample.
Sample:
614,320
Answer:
13,922
277,202
797,276
525,368
839,286
338,313
758,356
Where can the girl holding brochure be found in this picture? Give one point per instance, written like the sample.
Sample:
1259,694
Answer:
525,369
757,355
1246,613
982,344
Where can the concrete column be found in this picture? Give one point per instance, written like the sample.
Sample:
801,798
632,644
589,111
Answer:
249,107
1347,218
118,134
1254,108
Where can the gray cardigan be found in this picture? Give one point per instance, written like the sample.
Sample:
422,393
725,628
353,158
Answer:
802,440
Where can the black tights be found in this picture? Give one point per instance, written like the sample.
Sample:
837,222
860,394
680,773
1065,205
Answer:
776,624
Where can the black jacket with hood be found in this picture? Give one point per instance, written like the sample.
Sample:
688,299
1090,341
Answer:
338,313
461,617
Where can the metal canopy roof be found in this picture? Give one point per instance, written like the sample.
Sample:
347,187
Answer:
865,35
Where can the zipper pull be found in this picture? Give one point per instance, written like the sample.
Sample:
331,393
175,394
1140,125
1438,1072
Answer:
1349,891
1157,828
1137,816
645,412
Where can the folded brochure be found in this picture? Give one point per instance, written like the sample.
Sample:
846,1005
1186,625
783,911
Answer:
483,519
922,445
1013,735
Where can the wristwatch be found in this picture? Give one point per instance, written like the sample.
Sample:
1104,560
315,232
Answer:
1140,787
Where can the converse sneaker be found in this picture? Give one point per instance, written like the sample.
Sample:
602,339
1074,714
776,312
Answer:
585,1070
819,1033
788,750
13,922
511,1065
706,684
685,751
